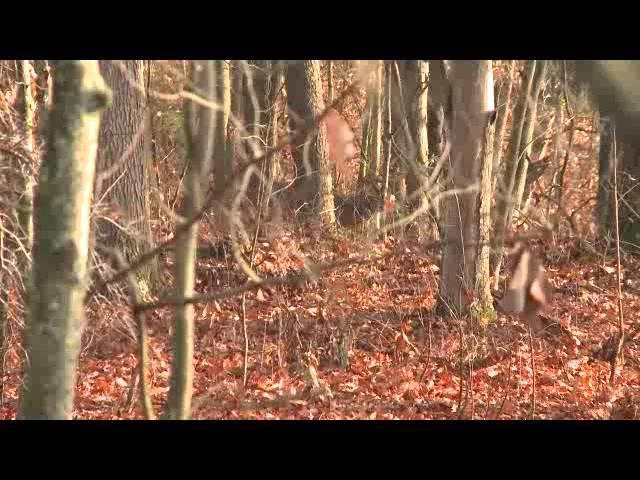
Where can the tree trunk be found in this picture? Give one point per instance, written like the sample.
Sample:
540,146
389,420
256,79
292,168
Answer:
465,279
627,149
538,169
529,129
504,200
25,207
415,75
61,241
503,107
387,125
605,177
398,141
222,165
122,181
237,147
371,154
313,168
438,121
200,127
330,81
262,89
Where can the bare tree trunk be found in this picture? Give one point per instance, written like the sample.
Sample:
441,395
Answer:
438,120
504,200
627,148
464,261
538,169
416,75
122,180
399,134
305,99
605,181
503,107
387,124
237,109
222,166
529,129
371,155
330,81
200,127
555,164
61,241
25,207
275,80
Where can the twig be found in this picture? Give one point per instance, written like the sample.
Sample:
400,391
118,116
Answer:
245,361
506,395
618,352
533,375
460,409
428,354
470,386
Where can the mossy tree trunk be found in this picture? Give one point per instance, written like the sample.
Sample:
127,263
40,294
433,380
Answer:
61,241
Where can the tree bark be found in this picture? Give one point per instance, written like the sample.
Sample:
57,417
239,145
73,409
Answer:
503,107
605,181
122,180
61,241
371,154
415,75
465,280
222,165
25,206
627,149
529,129
313,167
504,192
438,121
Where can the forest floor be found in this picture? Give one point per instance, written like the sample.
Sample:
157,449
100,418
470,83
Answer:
403,362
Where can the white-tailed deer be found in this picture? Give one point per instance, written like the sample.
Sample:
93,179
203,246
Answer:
529,290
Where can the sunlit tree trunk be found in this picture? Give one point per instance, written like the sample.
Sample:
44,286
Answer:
61,241
529,129
25,206
465,269
305,101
